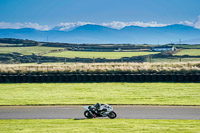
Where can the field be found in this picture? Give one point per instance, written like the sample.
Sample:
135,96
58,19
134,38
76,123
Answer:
192,46
137,68
100,125
107,55
26,50
8,44
90,93
191,52
174,60
94,55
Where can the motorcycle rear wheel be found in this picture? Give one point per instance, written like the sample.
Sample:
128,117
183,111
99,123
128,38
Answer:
112,115
87,114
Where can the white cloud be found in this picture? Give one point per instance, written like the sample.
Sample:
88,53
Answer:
189,23
114,25
195,24
120,25
69,26
7,25
72,25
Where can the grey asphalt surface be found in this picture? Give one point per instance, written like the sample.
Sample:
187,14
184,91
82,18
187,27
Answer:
127,112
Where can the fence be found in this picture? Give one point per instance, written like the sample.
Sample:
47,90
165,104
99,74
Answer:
75,78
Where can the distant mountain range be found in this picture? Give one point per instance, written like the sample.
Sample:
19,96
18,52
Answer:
100,34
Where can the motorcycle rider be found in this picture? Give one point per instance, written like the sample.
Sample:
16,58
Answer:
99,109
96,107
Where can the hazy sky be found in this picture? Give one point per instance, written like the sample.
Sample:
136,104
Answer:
53,12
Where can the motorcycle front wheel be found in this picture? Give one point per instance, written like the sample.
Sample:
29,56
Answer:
87,114
112,115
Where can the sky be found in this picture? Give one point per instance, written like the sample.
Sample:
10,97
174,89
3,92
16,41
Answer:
46,14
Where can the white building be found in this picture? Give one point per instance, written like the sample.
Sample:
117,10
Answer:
163,48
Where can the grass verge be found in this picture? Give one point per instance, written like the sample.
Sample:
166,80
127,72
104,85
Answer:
90,93
100,125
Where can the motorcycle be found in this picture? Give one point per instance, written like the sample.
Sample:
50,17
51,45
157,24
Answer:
107,111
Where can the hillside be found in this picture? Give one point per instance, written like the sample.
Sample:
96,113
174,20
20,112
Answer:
100,34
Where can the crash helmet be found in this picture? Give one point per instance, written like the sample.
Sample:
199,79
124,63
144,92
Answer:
97,105
106,105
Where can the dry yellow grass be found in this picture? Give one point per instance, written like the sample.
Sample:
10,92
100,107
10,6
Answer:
193,67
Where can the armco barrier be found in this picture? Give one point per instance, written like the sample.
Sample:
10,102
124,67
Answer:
194,78
129,78
92,78
103,78
168,78
187,78
181,78
76,78
98,77
80,78
174,78
154,78
148,78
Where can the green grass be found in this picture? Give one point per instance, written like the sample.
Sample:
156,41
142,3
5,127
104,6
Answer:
108,55
192,52
8,44
26,50
90,93
100,125
175,60
187,46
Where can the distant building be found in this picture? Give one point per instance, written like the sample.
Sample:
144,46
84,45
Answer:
163,48
119,49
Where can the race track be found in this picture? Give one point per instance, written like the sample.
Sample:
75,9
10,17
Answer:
127,112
